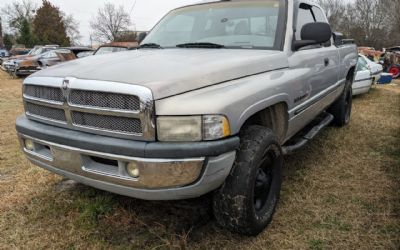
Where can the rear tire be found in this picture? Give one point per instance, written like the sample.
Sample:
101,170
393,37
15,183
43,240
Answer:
246,202
341,109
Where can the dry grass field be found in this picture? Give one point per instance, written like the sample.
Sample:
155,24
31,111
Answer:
340,192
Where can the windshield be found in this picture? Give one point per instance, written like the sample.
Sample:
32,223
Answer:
107,50
362,64
34,52
244,24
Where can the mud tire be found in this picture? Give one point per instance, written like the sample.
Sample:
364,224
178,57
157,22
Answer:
246,203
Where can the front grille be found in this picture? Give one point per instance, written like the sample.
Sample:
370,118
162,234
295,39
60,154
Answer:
46,112
104,100
45,93
106,122
128,114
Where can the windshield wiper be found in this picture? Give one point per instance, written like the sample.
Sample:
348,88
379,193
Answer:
150,45
201,45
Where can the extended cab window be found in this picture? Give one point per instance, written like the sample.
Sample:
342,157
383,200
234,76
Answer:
319,15
304,16
362,64
309,14
252,24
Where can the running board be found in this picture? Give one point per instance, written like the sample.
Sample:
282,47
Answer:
303,140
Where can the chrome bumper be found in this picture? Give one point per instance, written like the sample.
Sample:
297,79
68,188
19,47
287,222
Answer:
159,179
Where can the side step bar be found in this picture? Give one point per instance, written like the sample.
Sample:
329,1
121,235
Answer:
303,140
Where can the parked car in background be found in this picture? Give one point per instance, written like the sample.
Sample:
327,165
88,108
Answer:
85,54
375,68
19,50
115,47
37,50
364,79
80,52
392,61
4,55
11,63
33,64
395,49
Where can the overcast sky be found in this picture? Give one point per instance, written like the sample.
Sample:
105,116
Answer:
144,15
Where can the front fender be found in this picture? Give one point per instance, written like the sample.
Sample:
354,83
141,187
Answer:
238,99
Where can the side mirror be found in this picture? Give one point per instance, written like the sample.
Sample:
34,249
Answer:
142,36
312,34
338,38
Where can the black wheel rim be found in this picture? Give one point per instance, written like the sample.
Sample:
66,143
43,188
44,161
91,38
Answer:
264,180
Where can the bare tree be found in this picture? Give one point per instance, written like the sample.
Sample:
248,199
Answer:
335,11
373,17
16,12
369,22
72,29
109,22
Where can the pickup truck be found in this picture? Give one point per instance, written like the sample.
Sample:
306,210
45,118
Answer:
211,101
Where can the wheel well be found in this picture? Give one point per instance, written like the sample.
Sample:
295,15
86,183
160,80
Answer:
274,117
351,74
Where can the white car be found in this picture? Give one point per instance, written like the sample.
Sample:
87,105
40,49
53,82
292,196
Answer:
375,68
363,81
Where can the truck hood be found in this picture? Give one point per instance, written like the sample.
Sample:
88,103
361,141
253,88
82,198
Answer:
169,72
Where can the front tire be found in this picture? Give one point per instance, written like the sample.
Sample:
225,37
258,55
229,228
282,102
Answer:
246,202
341,109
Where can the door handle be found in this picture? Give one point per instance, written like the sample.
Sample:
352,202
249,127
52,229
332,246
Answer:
326,61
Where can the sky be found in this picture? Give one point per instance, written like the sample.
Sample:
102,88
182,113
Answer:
144,13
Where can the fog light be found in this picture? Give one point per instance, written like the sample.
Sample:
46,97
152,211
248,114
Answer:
133,169
29,145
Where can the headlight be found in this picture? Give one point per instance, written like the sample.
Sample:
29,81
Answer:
192,128
215,127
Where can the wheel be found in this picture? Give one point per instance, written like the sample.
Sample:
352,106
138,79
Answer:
395,71
341,109
246,202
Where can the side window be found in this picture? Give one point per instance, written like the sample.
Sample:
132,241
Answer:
319,15
362,64
304,16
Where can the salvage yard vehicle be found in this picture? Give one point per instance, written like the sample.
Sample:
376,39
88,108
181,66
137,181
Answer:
10,64
364,79
210,102
4,53
392,61
32,64
115,47
375,68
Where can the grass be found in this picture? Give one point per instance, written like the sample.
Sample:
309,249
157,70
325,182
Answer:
340,192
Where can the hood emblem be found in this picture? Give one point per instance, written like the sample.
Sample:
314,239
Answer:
65,85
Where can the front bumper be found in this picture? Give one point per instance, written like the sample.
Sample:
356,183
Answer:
26,71
161,178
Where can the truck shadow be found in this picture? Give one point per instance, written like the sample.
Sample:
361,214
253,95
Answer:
174,223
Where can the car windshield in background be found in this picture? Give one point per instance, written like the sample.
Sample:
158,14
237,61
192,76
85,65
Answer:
107,50
244,24
362,64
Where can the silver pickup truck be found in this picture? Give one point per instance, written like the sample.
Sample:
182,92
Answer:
210,102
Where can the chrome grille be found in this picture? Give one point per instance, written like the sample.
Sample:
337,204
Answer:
110,123
45,93
46,112
104,100
98,107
